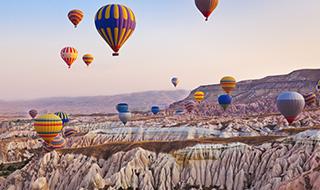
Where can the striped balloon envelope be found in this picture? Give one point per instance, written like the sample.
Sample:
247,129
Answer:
228,84
68,132
57,143
69,55
115,23
189,105
63,116
33,113
198,96
75,16
87,59
48,126
310,98
290,105
206,7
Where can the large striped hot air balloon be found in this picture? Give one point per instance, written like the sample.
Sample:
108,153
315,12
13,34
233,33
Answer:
198,96
224,101
57,143
68,132
48,126
175,81
75,16
290,105
87,59
69,55
124,117
63,116
115,23
33,113
228,84
190,105
310,98
206,7
155,109
122,107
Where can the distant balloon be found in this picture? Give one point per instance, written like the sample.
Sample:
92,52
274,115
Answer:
33,113
88,59
290,105
68,132
310,98
69,55
175,81
122,107
57,143
224,101
124,117
318,86
115,23
48,126
179,112
75,16
190,105
155,109
198,96
206,7
63,116
228,84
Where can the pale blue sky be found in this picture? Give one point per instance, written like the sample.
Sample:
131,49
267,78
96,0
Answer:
244,38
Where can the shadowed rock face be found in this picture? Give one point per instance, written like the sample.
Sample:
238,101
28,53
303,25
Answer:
231,166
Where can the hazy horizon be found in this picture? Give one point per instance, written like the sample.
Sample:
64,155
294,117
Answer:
246,39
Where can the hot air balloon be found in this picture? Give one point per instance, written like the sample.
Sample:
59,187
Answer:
69,55
63,116
68,132
122,107
88,59
224,101
198,96
75,16
57,143
190,105
228,84
33,113
175,81
290,105
310,98
124,117
318,86
155,109
48,126
206,7
115,23
179,112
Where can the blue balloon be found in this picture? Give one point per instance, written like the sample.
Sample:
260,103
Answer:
122,107
225,100
155,109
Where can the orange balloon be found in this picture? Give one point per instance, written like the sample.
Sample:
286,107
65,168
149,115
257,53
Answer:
69,55
75,16
88,59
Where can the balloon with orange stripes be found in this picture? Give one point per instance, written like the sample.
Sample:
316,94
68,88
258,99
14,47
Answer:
48,126
69,55
87,59
75,16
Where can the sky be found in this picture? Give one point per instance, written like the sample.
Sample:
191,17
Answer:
247,39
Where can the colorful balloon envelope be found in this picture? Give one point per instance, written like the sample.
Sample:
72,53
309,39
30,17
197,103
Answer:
190,105
68,132
69,55
206,7
175,81
115,23
155,109
198,96
75,16
124,117
63,116
58,142
122,107
48,126
179,112
290,105
310,98
228,84
87,59
224,101
33,113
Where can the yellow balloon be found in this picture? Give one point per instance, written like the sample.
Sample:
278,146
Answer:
198,96
48,126
228,84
